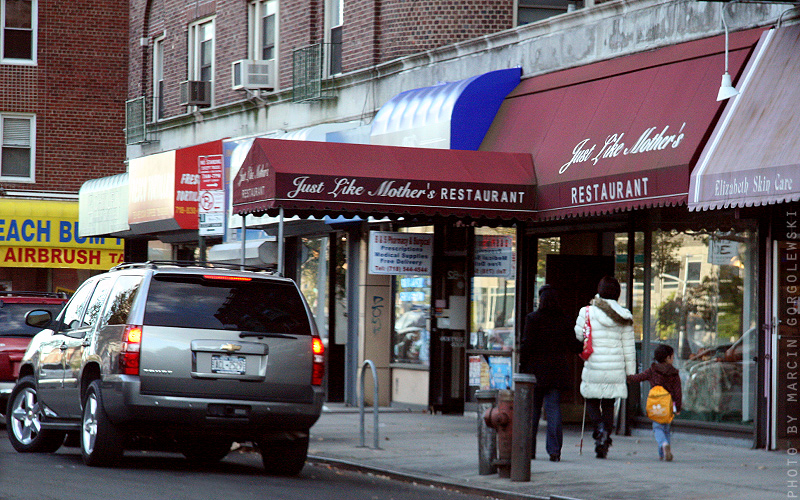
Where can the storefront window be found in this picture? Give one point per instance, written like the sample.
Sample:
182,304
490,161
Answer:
412,313
623,272
545,247
493,290
703,304
340,315
314,280
411,336
491,340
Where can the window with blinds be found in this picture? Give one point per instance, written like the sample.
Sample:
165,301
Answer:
16,158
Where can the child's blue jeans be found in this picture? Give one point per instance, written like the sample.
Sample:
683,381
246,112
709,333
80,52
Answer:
661,432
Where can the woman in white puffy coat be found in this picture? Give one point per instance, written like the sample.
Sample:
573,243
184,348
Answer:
614,357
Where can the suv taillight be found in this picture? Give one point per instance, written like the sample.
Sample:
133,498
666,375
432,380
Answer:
318,371
131,347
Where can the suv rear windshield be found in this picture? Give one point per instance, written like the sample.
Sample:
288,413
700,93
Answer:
254,306
12,318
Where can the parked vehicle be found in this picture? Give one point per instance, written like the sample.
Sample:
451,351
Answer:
177,356
15,334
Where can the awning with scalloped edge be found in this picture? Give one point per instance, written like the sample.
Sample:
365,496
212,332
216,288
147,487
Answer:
324,178
753,156
618,134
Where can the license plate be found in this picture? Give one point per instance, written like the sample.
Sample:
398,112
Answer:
235,365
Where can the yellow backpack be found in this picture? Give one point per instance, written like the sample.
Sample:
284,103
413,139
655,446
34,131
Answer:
659,405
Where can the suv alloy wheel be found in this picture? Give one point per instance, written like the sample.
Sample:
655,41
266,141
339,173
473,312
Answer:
23,421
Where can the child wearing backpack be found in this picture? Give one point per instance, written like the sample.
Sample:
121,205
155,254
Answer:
662,405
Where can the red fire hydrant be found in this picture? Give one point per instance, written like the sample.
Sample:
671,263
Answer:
501,419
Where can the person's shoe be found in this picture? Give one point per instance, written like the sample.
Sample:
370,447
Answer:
555,457
603,441
667,453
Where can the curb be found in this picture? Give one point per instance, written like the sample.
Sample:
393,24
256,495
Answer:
444,484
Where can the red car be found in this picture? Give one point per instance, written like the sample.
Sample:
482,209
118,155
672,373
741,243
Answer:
15,335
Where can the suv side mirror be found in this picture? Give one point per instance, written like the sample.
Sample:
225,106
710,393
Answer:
38,318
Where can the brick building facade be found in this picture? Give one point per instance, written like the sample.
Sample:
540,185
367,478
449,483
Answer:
390,47
75,86
63,80
371,33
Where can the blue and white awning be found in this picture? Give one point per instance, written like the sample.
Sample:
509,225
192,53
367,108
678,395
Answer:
452,115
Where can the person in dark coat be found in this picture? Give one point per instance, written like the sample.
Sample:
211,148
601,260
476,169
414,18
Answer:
547,344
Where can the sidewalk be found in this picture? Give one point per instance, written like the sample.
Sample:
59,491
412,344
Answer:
443,450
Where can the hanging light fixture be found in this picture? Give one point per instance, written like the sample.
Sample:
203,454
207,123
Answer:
726,89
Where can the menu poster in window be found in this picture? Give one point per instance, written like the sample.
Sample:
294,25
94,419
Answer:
494,256
480,374
400,253
500,367
475,371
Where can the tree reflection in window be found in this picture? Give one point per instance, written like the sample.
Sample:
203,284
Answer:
121,300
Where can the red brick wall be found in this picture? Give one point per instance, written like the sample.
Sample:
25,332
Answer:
77,92
411,27
373,32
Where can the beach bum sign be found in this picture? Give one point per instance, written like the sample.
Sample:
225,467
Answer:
588,154
400,253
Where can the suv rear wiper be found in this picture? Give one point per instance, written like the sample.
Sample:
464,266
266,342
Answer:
269,335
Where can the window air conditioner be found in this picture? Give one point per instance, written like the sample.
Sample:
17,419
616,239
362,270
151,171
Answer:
195,93
253,75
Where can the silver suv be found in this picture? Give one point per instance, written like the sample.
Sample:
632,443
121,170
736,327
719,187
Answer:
173,356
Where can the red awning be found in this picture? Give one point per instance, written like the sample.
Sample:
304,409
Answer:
322,178
618,134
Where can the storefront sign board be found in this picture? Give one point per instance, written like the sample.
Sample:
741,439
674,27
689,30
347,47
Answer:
45,234
331,178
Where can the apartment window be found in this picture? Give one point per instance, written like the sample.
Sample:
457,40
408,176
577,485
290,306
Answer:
201,52
530,11
335,20
18,39
158,79
17,158
263,30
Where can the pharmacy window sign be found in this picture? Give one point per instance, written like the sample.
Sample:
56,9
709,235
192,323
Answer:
400,253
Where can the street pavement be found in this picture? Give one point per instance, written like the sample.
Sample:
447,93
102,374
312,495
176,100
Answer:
442,450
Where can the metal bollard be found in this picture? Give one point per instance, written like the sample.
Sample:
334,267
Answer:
522,435
487,437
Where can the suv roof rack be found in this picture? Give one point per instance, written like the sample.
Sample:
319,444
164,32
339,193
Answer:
54,295
154,264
